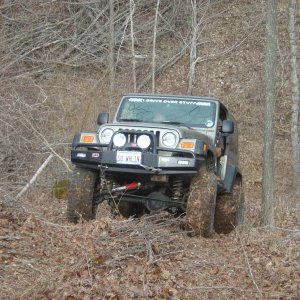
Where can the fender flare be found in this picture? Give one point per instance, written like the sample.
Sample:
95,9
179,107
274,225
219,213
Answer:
232,172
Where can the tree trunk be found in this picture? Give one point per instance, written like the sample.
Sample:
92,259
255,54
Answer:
132,6
295,97
269,115
154,47
193,47
111,50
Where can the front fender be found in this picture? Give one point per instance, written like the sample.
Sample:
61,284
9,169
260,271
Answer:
231,173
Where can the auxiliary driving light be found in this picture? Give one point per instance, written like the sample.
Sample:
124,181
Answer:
119,140
143,141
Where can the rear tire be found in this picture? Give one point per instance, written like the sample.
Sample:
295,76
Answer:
230,209
201,203
81,202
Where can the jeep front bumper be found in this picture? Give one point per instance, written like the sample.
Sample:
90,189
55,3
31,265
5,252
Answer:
174,162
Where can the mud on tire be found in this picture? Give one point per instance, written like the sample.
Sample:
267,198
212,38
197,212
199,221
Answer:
230,209
82,189
201,203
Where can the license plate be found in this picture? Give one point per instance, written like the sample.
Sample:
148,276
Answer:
129,157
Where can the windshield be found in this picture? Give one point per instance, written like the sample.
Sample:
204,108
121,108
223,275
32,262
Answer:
191,113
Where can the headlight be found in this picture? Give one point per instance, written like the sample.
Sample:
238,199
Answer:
143,141
105,135
119,139
169,139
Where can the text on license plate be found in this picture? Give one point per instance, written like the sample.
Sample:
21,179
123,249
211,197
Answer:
129,157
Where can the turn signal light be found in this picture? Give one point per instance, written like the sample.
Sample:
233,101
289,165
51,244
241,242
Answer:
187,145
87,139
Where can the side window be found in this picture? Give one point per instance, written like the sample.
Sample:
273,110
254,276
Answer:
223,114
220,139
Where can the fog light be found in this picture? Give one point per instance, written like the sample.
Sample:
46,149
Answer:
119,140
143,141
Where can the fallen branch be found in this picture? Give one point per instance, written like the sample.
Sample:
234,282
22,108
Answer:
9,238
35,176
47,144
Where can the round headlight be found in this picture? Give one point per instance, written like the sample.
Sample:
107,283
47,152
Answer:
119,140
169,139
143,141
105,135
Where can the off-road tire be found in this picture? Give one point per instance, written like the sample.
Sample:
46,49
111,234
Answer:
230,209
201,203
81,202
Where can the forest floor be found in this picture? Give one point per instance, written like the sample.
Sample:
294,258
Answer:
45,257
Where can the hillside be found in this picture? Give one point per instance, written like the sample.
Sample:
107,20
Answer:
42,256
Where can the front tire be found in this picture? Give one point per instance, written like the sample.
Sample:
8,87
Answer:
81,202
201,203
230,209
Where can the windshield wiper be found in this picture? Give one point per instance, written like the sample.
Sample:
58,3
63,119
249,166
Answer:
129,120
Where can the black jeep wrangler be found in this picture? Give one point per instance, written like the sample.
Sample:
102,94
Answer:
161,152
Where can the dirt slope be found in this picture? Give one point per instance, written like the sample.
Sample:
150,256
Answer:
148,258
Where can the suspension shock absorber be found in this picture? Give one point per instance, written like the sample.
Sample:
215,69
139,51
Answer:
177,189
106,185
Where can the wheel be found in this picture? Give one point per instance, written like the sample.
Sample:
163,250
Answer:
81,202
230,209
201,203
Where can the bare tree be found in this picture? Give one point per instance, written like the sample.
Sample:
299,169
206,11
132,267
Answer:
132,6
38,37
295,97
268,194
193,46
154,47
111,48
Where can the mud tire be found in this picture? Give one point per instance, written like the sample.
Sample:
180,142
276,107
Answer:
230,209
201,204
81,202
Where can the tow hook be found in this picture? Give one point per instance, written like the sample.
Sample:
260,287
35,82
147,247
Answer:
126,187
151,169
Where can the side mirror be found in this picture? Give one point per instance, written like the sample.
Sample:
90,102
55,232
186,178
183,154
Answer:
103,118
228,126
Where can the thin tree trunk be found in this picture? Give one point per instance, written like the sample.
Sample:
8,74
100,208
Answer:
111,50
268,194
295,97
132,6
154,47
193,47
